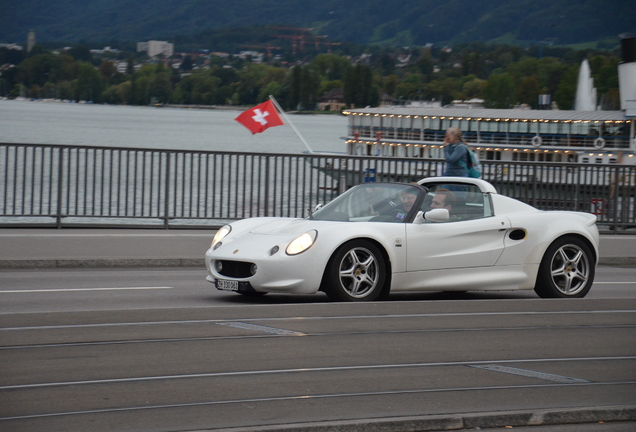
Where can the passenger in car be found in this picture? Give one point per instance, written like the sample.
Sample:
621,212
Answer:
443,199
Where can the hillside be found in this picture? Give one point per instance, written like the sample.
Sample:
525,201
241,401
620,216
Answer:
410,22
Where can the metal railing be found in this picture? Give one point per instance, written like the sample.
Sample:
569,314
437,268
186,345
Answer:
485,137
64,186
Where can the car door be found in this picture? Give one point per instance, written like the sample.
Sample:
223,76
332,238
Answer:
472,237
455,244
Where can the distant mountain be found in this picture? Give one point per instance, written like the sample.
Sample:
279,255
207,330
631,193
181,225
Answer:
409,22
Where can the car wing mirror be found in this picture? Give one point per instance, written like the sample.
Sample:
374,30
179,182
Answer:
437,215
310,212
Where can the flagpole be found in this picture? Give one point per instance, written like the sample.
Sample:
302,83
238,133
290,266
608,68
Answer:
275,102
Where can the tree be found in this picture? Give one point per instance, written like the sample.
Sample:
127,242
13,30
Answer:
89,84
528,91
499,91
359,88
411,85
199,88
118,94
293,101
445,90
81,53
186,64
331,66
108,70
425,65
160,88
566,91
130,65
473,88
38,69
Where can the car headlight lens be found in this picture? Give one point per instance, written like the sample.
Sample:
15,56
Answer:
301,243
220,235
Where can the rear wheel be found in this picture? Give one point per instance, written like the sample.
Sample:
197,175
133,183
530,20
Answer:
566,270
356,272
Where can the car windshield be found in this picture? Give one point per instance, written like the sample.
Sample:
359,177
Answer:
375,202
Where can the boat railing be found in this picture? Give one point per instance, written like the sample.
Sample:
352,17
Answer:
579,142
65,186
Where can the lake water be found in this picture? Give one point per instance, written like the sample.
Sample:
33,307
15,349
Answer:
161,128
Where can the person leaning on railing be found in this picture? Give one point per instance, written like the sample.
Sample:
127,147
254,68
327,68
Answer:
454,152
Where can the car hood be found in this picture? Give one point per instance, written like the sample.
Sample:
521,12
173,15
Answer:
277,226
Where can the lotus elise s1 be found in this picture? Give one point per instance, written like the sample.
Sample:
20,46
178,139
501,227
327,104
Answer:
441,234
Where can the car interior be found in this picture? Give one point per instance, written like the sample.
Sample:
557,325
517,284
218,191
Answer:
467,201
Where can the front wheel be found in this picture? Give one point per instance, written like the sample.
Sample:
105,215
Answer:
356,272
566,270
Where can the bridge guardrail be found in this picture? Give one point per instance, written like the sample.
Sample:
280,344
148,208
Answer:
64,186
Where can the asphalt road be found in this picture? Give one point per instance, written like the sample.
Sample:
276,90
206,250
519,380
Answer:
160,350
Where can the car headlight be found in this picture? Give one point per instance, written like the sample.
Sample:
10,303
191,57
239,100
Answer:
302,243
220,235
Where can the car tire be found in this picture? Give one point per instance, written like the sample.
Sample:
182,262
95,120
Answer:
356,272
567,269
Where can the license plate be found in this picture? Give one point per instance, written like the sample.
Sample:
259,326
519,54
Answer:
227,285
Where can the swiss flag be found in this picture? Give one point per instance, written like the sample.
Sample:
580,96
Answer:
260,117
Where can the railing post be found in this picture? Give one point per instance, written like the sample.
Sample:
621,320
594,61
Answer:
166,207
534,185
266,185
60,187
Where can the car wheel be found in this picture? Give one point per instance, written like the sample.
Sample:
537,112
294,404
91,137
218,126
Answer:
356,272
566,270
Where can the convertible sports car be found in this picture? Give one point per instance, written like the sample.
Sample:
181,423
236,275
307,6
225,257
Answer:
442,234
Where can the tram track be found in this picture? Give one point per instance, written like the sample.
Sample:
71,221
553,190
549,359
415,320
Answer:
261,336
253,367
308,398
317,369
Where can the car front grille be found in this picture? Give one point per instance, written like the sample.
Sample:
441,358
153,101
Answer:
236,269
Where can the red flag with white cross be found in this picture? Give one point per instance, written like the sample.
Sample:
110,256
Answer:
260,117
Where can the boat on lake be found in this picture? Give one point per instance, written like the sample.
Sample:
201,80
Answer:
515,135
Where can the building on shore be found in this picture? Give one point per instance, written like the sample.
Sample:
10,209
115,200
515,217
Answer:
155,48
30,40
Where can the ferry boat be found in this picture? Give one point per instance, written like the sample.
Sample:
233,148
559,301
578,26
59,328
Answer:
516,135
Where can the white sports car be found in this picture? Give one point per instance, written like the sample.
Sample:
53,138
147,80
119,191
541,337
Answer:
441,234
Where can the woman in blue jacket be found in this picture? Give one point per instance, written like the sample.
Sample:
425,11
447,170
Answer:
455,151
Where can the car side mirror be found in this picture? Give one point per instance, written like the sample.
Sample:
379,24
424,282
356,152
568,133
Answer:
437,215
310,213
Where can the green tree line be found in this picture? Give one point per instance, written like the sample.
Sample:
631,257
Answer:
502,75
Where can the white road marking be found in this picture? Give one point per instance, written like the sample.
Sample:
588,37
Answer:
83,289
260,328
614,283
530,373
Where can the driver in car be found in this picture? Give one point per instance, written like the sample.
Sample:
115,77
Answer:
407,200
